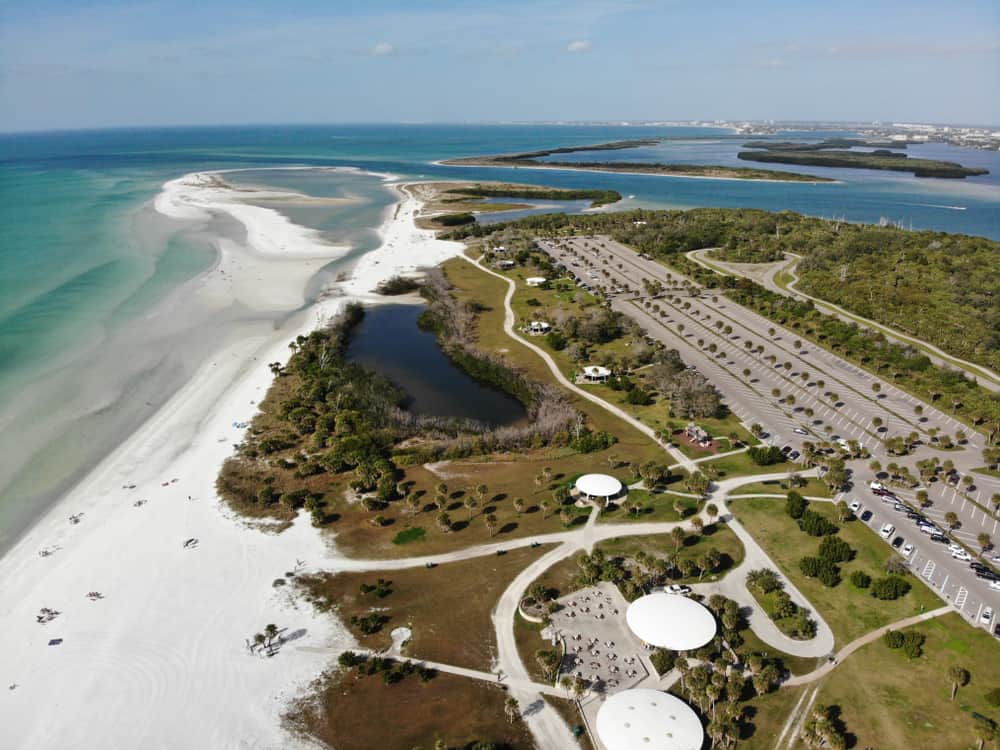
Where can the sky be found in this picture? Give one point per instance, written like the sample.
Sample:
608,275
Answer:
76,64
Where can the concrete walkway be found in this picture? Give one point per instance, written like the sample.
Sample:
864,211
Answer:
508,327
864,640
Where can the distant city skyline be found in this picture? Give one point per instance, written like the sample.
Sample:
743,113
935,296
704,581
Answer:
112,63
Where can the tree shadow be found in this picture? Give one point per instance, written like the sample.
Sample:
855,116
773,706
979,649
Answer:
508,528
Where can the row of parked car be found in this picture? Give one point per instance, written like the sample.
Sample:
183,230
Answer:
925,526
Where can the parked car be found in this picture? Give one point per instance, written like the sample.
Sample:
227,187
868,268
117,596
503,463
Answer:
866,516
963,556
877,487
956,547
995,585
907,549
939,538
794,455
678,588
800,431
887,529
987,575
897,542
855,507
987,616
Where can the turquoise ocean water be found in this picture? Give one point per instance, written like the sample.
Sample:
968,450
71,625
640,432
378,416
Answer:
88,269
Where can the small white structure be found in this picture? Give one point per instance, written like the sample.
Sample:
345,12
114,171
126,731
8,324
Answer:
535,280
538,327
506,264
596,374
644,718
598,486
671,621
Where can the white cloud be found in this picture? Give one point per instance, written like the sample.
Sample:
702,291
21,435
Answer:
382,49
580,45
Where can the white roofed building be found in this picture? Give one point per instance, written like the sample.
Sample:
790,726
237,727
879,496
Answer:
596,374
535,280
598,486
671,621
642,718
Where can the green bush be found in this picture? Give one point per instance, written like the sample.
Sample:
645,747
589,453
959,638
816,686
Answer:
816,525
889,587
860,579
766,455
835,550
795,505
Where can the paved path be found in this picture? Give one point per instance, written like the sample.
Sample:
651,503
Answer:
508,327
864,640
766,278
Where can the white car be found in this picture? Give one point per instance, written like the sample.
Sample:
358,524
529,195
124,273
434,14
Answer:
995,585
907,550
955,547
876,486
963,556
887,529
855,507
799,431
678,588
987,616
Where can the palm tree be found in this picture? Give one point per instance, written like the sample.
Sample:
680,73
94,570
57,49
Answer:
518,505
470,503
511,709
270,632
491,523
444,522
951,518
984,542
259,639
985,732
481,492
546,506
712,510
412,503
678,535
958,676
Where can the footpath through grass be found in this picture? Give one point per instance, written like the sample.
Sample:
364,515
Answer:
850,612
887,700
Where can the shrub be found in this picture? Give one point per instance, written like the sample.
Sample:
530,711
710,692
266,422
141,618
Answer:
835,550
454,220
766,455
993,697
889,587
589,442
663,660
816,525
556,340
860,579
893,639
795,505
397,285
824,570
764,580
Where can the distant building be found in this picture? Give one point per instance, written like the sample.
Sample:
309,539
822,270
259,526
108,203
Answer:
538,327
535,280
505,264
697,434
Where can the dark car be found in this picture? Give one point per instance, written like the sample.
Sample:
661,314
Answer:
866,516
987,575
996,629
897,542
976,565
939,538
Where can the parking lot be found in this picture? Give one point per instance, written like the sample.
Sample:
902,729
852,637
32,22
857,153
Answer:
750,359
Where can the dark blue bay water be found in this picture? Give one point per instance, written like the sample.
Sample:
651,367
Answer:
85,262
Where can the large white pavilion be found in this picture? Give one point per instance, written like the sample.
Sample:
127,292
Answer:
599,486
671,621
644,718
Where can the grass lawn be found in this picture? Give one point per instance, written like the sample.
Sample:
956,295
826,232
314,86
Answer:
447,607
365,713
813,488
849,612
888,701
656,506
987,472
566,708
766,718
794,664
739,464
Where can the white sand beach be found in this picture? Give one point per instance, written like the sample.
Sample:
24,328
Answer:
159,659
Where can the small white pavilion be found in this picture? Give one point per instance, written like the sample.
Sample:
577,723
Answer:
671,621
596,374
644,718
535,280
538,327
598,487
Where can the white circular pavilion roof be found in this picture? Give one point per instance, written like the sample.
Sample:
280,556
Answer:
644,718
598,485
671,621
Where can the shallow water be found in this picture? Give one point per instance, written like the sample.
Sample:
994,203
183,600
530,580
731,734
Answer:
91,341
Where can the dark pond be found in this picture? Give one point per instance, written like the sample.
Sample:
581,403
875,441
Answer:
389,342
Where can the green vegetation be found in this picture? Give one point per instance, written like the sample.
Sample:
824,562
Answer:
825,144
397,285
596,197
535,159
848,610
932,285
822,155
897,697
454,220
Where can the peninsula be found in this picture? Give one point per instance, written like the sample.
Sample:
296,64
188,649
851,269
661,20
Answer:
533,160
832,153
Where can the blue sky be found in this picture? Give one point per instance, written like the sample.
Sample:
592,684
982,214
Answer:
80,64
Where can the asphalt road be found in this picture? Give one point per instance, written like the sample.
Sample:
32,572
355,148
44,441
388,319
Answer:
832,399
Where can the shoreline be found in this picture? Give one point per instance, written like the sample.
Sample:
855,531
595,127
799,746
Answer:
167,637
446,163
